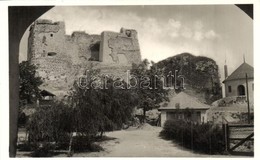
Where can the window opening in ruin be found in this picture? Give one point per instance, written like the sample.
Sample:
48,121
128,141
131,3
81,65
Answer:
128,33
43,39
50,54
94,49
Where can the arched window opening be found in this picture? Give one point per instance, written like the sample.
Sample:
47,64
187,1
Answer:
241,90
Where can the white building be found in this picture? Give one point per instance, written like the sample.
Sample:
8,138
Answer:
184,106
235,83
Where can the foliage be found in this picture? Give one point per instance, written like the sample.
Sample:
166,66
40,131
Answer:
201,74
22,119
150,91
29,83
84,144
102,109
98,110
199,137
49,127
43,150
29,90
87,112
50,123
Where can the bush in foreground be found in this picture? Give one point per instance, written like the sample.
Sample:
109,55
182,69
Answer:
205,138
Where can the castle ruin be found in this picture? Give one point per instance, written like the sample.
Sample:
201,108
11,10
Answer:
61,58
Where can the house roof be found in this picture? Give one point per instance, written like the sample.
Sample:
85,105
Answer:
184,101
240,73
46,93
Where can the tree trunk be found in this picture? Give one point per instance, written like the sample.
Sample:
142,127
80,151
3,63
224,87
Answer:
101,133
70,145
144,115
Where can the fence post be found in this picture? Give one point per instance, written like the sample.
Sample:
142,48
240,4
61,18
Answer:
228,141
210,141
191,136
225,128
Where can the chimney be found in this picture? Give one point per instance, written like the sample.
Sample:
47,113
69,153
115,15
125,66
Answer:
225,71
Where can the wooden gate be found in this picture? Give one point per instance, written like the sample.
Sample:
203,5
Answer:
236,136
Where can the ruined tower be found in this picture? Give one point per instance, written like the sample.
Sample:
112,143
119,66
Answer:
47,50
46,39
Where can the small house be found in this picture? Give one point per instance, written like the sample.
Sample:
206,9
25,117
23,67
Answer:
235,83
47,98
184,106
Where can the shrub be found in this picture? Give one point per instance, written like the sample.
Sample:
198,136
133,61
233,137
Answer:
49,124
43,150
83,143
205,138
24,147
92,112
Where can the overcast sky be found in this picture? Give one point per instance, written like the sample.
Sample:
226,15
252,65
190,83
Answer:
215,31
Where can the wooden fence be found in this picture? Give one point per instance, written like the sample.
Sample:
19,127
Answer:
236,135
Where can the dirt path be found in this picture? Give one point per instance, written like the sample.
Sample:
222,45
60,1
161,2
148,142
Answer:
140,143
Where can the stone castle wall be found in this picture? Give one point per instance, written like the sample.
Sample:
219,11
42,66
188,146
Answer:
61,58
120,47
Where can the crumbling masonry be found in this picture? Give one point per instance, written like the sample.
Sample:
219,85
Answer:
61,58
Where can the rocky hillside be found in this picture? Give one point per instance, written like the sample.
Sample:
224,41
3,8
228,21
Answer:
201,75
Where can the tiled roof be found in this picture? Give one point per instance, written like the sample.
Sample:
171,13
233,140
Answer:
184,101
240,73
46,93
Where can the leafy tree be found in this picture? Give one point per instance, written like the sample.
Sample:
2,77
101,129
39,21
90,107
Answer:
50,123
29,88
88,112
100,109
29,83
151,91
118,103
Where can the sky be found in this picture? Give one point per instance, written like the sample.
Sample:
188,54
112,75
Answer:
221,32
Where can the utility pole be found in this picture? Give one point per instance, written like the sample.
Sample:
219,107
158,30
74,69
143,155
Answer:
247,95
